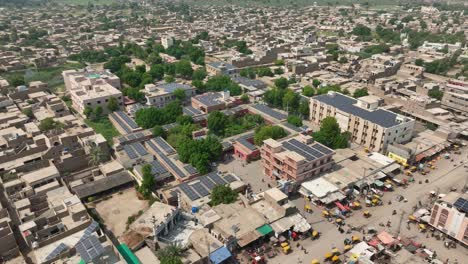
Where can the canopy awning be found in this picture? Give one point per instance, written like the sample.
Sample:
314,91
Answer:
220,255
265,229
378,183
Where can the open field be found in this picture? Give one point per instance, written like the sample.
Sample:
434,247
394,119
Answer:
103,126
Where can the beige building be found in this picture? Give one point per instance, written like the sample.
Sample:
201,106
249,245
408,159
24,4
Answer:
369,125
92,88
298,159
456,96
161,95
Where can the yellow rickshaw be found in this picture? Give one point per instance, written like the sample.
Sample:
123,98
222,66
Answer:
286,250
347,248
433,167
422,227
375,202
339,221
412,218
355,239
315,235
376,196
366,150
336,259
328,256
413,169
335,252
315,261
356,205
408,173
307,208
325,213
366,214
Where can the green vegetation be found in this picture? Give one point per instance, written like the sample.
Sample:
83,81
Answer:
308,91
147,183
170,255
330,134
435,93
49,124
417,38
200,153
224,126
222,194
150,117
91,56
362,32
239,45
266,132
103,126
360,93
220,83
282,83
368,51
248,73
295,120
387,35
113,104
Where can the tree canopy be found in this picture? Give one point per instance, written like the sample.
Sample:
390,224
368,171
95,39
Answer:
151,116
222,194
265,132
330,134
360,92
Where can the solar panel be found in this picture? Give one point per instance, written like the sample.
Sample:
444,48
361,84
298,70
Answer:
120,123
89,249
322,149
131,137
152,145
171,164
190,169
306,148
164,145
229,178
207,182
139,148
200,189
130,152
59,249
189,192
127,120
216,179
461,204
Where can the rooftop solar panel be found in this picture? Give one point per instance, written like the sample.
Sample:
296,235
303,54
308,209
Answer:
306,148
322,148
121,123
153,146
139,148
229,178
173,167
127,119
59,249
89,249
207,182
189,192
162,144
190,169
131,137
130,152
461,204
200,189
216,179
268,111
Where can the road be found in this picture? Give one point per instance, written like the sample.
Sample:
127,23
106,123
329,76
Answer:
443,178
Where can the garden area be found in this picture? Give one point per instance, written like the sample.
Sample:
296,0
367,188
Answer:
103,126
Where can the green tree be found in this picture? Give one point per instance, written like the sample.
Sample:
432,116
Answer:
265,132
316,83
158,131
180,94
304,109
171,254
222,194
245,98
147,183
419,62
279,62
295,120
435,93
88,111
330,134
184,69
97,112
282,83
49,123
113,104
169,79
360,92
28,112
248,73
96,156
199,74
222,82
157,71
264,71
16,80
217,123
290,101
308,91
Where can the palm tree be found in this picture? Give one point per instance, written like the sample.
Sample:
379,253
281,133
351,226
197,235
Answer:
96,156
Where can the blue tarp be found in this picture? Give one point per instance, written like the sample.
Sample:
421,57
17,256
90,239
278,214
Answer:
220,255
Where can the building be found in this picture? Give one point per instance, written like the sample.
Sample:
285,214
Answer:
8,247
167,41
369,125
297,159
212,101
92,88
244,148
456,96
449,216
160,95
221,68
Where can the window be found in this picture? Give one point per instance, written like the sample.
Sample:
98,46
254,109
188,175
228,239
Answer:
107,100
443,218
98,102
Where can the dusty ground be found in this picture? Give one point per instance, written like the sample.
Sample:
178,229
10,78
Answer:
116,210
445,176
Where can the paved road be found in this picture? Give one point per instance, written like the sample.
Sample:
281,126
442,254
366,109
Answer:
444,177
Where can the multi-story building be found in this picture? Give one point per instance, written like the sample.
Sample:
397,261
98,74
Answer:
297,159
449,216
92,88
8,247
369,125
212,101
456,96
221,68
160,95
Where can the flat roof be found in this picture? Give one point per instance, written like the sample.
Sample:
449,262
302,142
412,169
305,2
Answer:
347,104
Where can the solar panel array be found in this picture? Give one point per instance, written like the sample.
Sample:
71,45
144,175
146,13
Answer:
135,150
127,120
89,249
59,249
461,204
309,152
139,148
190,169
162,144
130,152
202,186
120,123
179,173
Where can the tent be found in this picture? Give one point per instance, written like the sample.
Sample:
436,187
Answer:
220,255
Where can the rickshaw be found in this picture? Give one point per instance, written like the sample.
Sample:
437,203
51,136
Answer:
328,256
347,241
315,235
422,227
325,213
336,259
375,202
347,248
315,261
307,208
355,239
356,205
366,214
339,221
413,169
412,218
408,173
335,252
